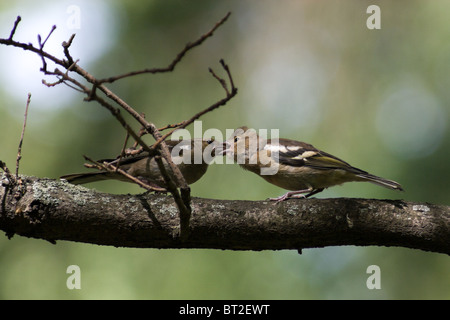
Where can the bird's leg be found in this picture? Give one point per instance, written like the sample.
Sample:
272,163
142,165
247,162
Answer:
314,192
297,194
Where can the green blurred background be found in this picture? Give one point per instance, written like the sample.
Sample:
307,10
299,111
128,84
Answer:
377,98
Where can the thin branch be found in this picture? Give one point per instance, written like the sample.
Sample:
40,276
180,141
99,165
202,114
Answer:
19,151
41,45
66,46
122,153
227,69
113,169
41,48
175,61
170,126
16,23
221,81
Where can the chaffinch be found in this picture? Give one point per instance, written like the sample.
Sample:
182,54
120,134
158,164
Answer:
294,165
191,156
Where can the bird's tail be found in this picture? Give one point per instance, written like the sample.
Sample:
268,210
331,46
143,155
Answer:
82,178
390,184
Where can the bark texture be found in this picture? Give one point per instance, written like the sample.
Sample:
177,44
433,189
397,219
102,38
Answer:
56,210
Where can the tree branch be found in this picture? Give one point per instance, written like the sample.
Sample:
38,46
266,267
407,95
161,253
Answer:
55,210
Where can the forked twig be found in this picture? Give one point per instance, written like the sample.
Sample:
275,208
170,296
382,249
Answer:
41,47
42,44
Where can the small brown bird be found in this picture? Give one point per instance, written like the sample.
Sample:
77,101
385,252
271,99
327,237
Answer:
294,165
191,156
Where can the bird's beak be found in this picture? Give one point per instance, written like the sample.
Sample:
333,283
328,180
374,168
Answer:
216,148
226,149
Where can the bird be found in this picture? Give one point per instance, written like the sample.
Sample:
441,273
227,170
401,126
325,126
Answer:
294,165
192,156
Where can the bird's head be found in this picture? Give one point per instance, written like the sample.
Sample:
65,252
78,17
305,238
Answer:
242,144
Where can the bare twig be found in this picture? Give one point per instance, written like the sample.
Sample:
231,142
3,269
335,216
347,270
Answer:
16,23
42,44
177,59
19,152
41,48
66,46
133,151
221,80
227,69
122,153
170,126
113,169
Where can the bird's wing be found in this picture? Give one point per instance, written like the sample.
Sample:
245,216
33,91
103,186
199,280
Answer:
298,154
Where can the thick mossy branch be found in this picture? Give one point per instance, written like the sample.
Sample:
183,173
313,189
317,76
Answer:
56,210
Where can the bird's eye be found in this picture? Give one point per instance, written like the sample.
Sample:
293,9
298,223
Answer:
236,139
209,141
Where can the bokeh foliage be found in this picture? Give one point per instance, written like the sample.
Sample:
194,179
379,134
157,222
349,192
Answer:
377,98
